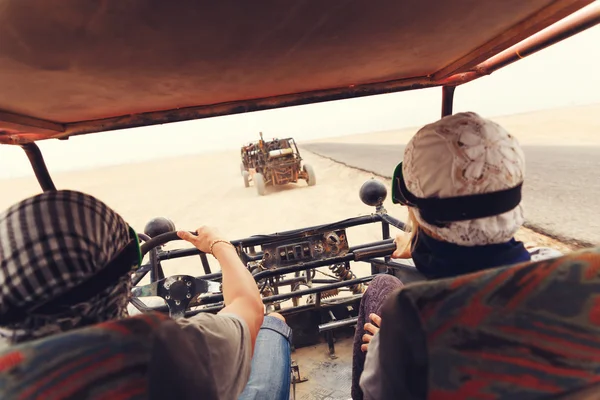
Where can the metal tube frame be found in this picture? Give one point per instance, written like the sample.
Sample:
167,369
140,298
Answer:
245,244
367,252
36,159
447,100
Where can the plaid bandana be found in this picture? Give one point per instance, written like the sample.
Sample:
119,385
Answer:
50,244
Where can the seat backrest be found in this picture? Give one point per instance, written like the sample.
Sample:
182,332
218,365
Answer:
105,361
521,332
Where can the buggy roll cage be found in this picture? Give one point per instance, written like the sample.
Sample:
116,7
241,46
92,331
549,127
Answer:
292,144
404,45
546,25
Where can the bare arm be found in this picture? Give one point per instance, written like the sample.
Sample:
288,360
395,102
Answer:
240,292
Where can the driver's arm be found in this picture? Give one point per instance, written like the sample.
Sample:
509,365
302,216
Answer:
240,292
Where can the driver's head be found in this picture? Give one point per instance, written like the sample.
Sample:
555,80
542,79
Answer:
65,259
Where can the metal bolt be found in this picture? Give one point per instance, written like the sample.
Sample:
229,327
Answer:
177,302
167,297
189,296
189,283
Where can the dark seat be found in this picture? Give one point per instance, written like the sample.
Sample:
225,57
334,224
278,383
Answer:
530,331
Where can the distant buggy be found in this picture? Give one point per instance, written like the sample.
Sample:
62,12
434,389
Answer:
274,162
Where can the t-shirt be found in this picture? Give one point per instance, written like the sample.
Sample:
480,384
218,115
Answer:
229,349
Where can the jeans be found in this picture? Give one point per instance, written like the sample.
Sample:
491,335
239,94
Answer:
271,364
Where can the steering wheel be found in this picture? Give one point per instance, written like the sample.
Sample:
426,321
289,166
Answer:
178,291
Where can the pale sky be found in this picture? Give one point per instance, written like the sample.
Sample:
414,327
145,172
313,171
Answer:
565,74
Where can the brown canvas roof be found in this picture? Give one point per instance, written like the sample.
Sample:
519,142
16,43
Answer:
77,66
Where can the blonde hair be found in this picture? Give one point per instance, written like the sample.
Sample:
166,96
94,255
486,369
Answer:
413,227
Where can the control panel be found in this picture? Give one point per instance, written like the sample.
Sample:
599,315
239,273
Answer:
309,248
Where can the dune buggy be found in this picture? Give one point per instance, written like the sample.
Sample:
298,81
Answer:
274,162
81,72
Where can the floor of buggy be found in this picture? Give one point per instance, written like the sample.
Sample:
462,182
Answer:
328,379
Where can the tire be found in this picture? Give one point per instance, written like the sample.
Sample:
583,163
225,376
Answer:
246,177
311,178
259,183
242,169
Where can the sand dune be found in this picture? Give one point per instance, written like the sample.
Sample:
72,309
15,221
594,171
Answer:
570,126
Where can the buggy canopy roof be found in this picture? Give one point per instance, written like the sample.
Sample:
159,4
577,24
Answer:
78,66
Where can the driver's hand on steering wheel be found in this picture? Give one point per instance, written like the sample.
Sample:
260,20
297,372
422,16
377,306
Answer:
370,330
402,241
203,240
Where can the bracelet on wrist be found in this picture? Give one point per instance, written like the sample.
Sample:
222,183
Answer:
217,241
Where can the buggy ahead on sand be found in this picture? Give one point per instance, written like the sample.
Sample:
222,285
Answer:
274,162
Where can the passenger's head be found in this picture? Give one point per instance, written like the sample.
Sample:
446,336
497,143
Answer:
461,178
65,262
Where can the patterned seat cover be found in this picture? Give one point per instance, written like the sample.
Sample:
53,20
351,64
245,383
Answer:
105,361
529,331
